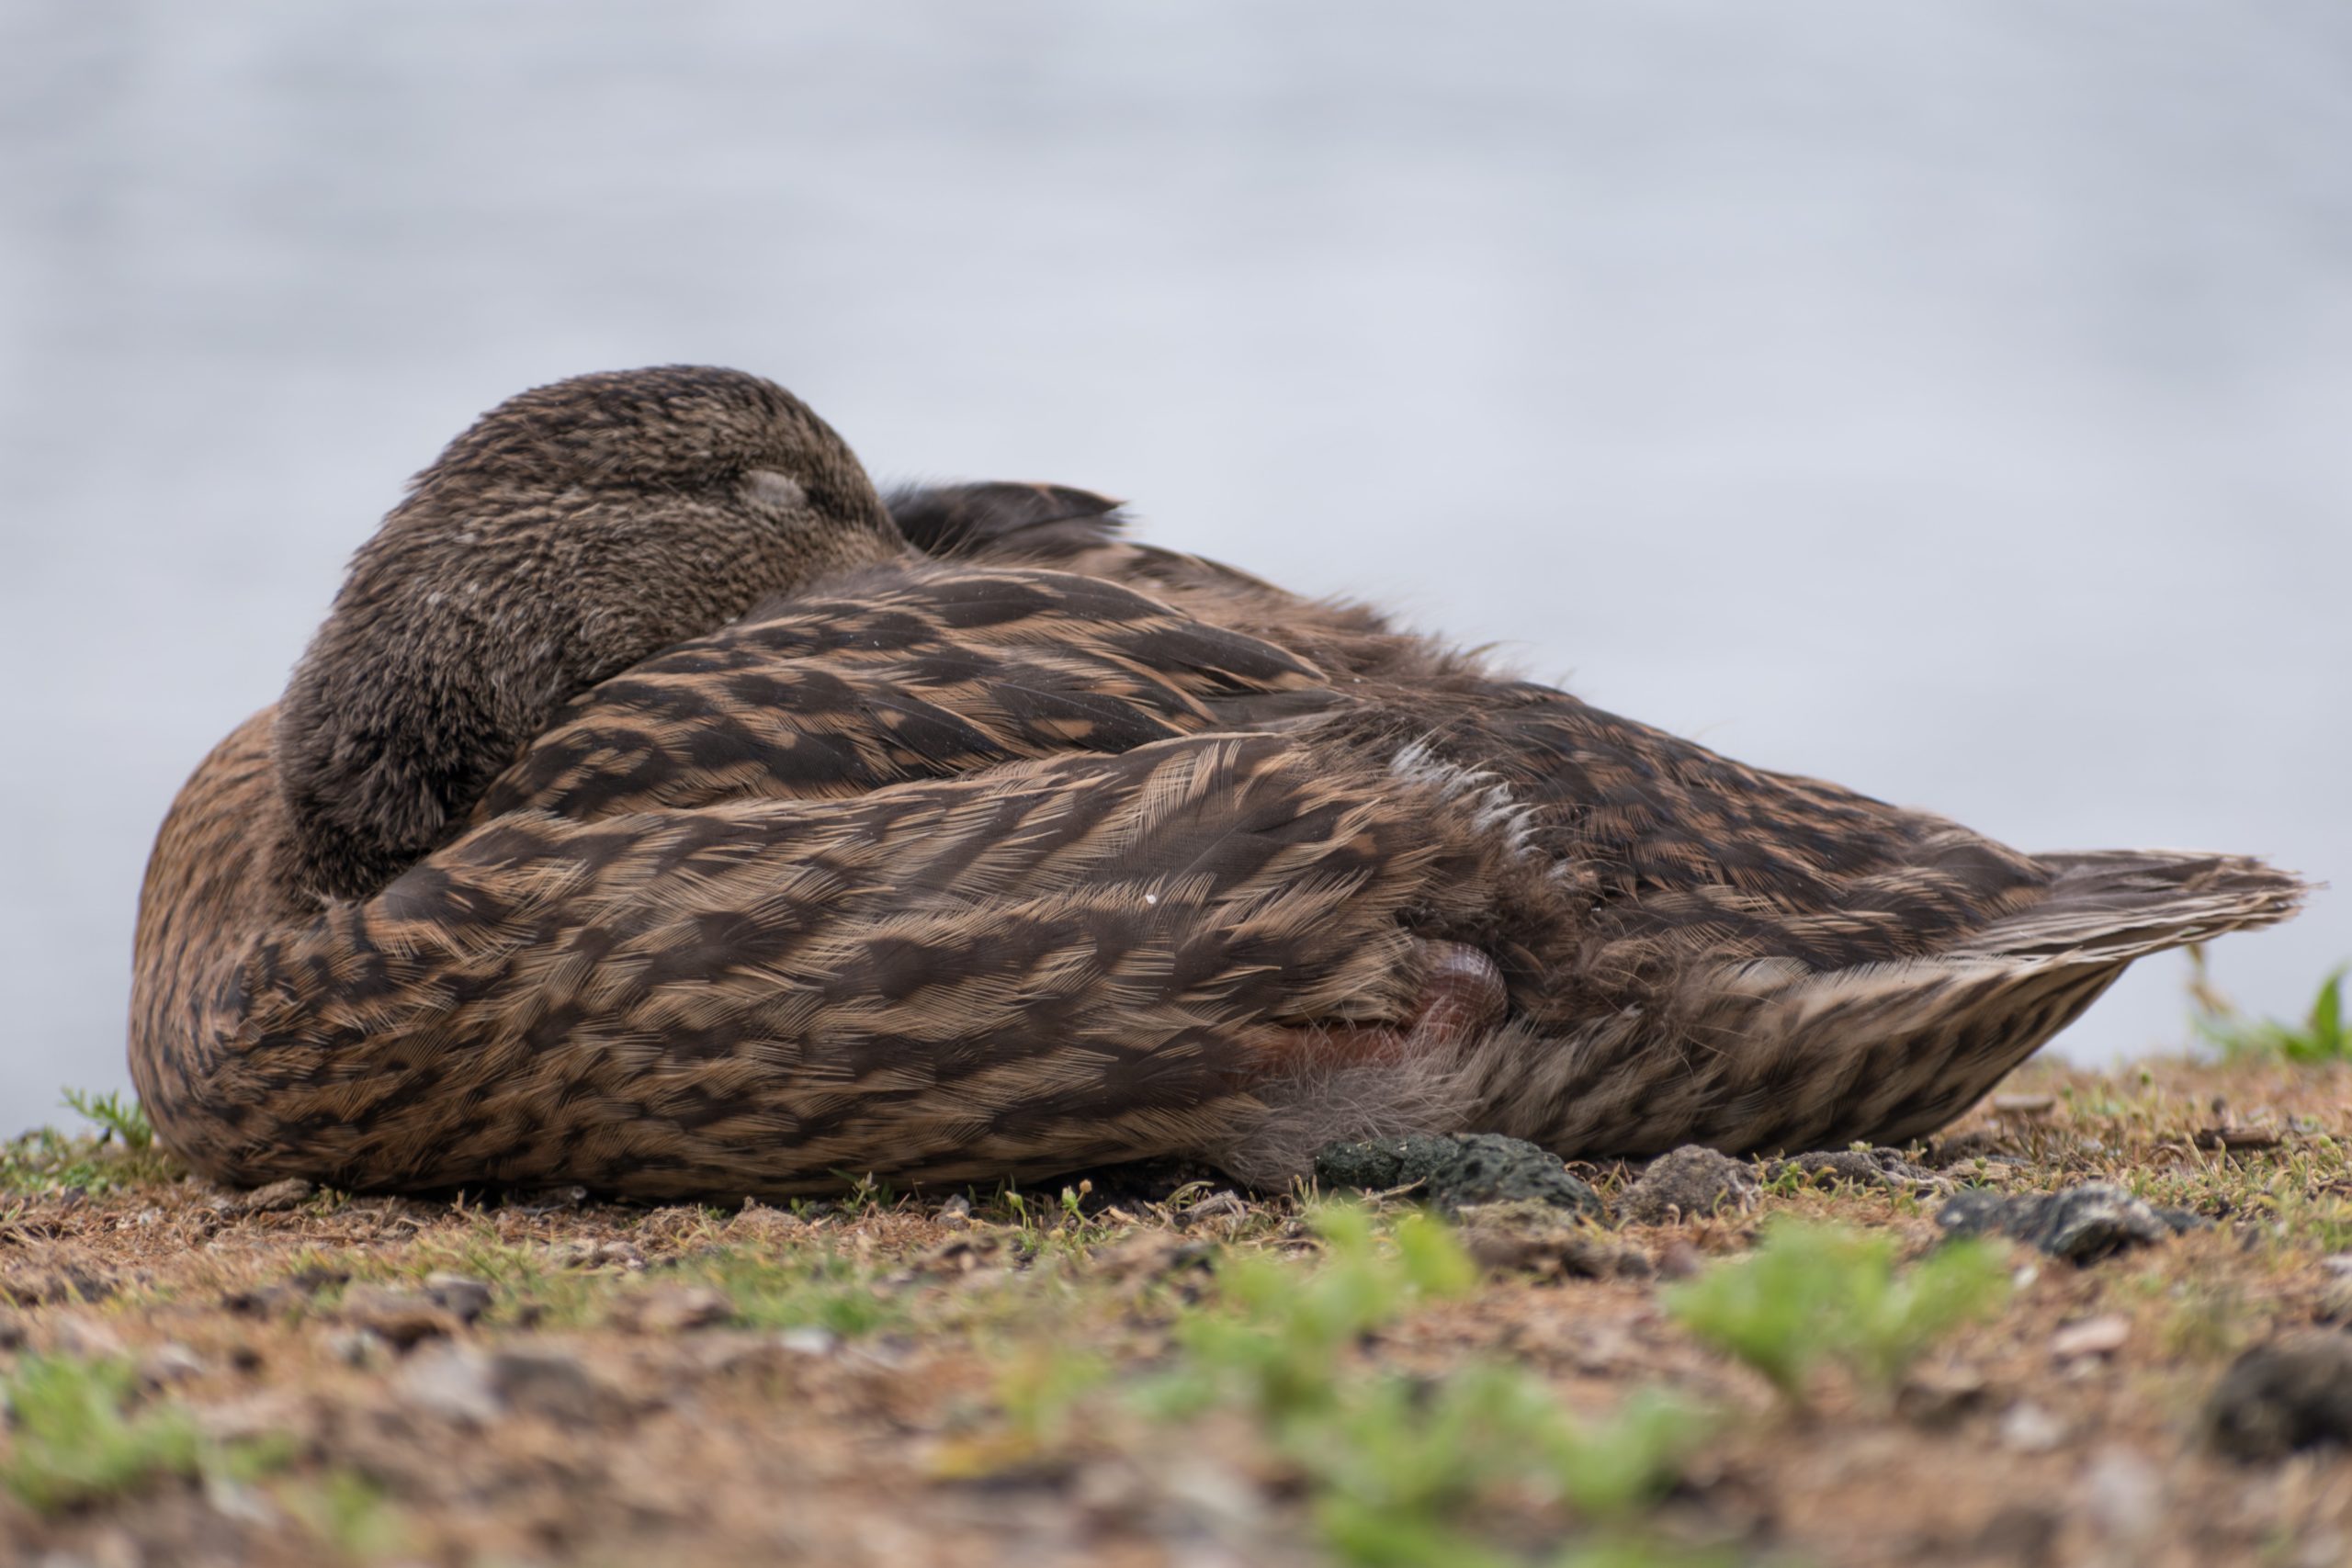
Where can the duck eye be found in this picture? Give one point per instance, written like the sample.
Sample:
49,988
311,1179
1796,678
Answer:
769,487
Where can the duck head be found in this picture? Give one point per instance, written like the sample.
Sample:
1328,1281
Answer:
573,531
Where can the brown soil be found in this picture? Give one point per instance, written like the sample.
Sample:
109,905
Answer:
704,1385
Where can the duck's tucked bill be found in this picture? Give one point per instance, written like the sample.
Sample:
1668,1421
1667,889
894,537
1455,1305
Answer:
660,809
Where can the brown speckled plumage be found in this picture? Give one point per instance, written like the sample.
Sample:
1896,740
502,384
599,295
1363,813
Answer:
656,813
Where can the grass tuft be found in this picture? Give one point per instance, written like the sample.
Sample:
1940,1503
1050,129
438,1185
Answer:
1398,1468
2325,1035
74,1442
115,1117
1816,1294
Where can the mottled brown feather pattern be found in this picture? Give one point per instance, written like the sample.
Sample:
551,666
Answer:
1073,960
647,816
1759,960
918,671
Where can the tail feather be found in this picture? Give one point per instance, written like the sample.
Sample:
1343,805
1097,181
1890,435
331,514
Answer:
2112,906
1776,1055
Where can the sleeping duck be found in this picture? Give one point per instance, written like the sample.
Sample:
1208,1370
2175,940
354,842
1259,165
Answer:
660,810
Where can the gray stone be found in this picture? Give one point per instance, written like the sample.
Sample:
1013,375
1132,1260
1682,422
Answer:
548,1382
809,1341
452,1381
2081,1225
2028,1429
1684,1184
474,1387
1456,1171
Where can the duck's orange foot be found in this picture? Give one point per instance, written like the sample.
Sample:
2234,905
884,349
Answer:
1462,997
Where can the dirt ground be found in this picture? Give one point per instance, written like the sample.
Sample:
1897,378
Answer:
294,1376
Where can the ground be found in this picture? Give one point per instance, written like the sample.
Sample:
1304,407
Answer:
1142,1370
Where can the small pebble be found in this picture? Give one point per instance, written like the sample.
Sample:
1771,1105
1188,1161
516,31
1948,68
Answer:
2028,1429
2101,1335
452,1381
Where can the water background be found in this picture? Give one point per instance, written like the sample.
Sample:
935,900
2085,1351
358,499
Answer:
1953,399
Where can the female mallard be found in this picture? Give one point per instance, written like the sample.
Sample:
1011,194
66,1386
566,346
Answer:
649,814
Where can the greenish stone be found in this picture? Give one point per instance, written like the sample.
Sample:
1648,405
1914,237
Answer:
1457,1171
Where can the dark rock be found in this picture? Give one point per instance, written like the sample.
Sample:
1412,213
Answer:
549,1381
1458,1171
2288,1394
2081,1225
1684,1184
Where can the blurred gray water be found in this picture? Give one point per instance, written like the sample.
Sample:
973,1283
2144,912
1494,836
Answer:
1949,397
